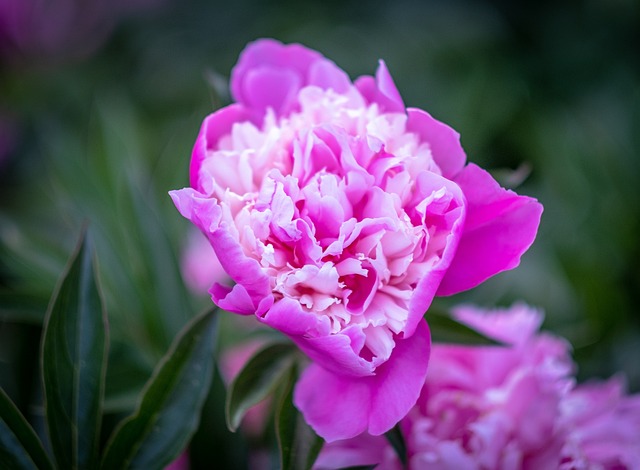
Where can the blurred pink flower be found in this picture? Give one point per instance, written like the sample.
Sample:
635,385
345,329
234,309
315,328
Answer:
340,214
511,407
199,264
53,30
604,427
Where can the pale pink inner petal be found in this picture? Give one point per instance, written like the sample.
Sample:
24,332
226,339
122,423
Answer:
336,204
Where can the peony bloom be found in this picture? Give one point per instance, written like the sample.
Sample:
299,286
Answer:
493,407
340,214
604,427
506,407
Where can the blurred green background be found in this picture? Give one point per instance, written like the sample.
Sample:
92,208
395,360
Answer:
100,102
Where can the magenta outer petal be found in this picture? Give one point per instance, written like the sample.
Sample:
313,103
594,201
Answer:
336,407
270,74
381,90
252,284
428,286
388,88
399,381
443,141
311,332
326,74
214,126
246,272
341,407
203,212
234,299
269,52
499,228
269,87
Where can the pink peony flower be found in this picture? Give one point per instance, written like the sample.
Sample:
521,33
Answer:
604,427
340,214
511,407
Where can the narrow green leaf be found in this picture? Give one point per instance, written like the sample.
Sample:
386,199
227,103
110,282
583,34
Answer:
20,447
169,409
298,442
445,329
74,361
396,439
257,380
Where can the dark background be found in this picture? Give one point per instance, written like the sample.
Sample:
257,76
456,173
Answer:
100,102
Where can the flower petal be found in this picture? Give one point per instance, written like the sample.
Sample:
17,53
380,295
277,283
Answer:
499,228
269,87
374,404
311,332
381,90
443,141
245,271
270,74
214,127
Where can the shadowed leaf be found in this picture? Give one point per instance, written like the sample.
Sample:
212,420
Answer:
299,444
396,439
74,361
169,410
257,380
445,329
20,447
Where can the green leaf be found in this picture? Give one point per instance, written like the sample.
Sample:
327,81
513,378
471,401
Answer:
396,439
298,442
20,447
169,410
257,380
74,361
445,329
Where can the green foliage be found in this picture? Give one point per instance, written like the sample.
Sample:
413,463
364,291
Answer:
258,378
74,350
170,405
396,439
73,358
20,447
299,445
446,329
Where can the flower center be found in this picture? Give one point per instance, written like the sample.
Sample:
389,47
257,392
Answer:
328,202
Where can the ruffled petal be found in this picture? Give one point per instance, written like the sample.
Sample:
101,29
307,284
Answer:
214,127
